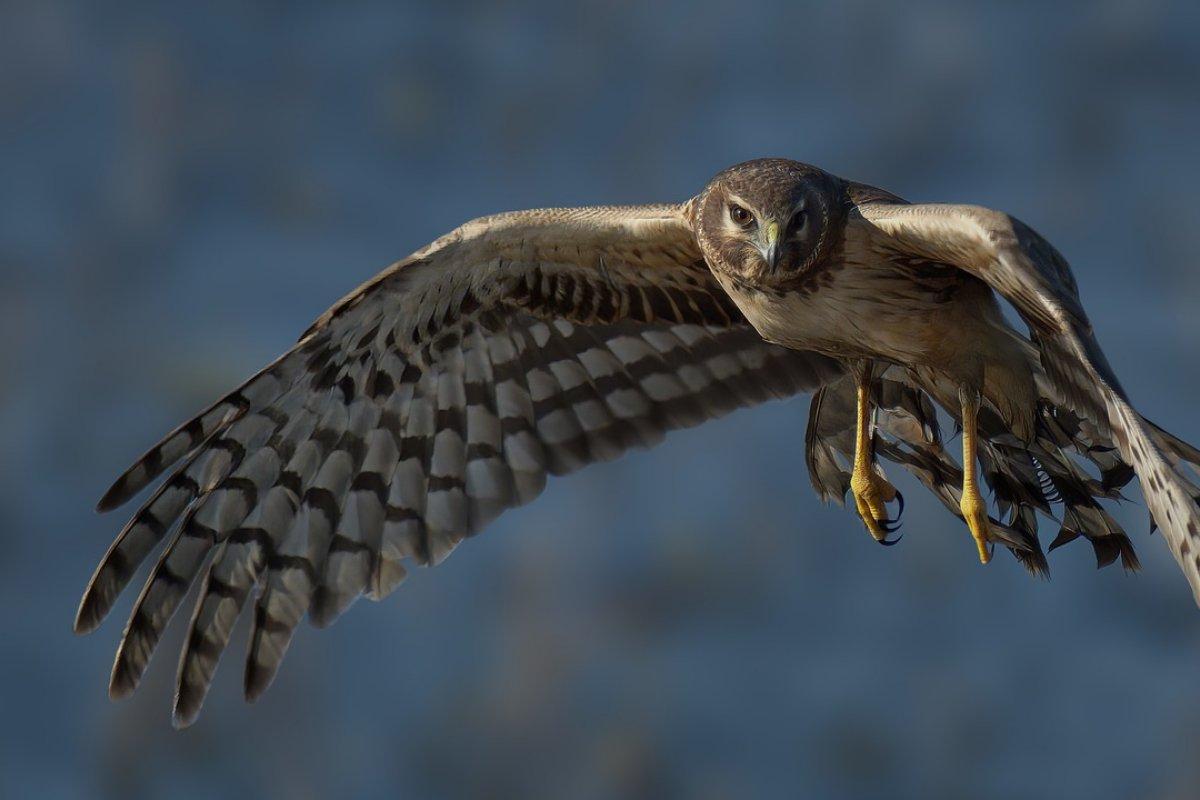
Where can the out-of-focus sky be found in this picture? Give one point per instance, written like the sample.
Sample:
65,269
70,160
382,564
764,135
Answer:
183,189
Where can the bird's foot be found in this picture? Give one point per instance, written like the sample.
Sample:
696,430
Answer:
872,492
974,511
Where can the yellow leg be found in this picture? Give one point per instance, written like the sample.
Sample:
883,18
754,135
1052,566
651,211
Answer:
972,505
871,491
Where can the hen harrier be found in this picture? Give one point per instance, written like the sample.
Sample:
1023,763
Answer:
445,389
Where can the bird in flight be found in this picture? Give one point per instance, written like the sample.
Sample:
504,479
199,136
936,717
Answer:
525,344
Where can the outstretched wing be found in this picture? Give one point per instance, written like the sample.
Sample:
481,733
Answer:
415,410
1024,268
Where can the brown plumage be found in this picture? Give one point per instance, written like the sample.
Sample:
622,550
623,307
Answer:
447,388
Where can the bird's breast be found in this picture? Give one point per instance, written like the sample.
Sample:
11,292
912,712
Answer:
863,311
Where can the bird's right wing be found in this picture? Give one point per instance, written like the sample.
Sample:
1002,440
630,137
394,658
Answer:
414,411
1026,269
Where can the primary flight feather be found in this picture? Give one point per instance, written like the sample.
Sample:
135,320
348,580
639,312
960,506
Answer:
447,388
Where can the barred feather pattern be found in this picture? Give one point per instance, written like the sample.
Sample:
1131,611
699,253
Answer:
407,418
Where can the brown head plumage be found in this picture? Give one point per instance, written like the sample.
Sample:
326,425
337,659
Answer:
769,220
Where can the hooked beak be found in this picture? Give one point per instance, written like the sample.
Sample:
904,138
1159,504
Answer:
769,246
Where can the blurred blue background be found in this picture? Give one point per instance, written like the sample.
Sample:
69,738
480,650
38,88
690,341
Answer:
184,190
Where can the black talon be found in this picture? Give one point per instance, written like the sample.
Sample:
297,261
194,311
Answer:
890,542
900,500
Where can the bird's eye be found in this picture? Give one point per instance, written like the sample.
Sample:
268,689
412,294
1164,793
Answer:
741,216
799,221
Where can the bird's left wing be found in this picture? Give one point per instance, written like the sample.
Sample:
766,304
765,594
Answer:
414,411
1023,267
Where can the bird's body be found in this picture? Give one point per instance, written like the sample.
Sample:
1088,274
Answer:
869,302
526,344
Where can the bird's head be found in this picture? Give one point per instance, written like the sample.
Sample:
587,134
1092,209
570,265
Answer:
768,221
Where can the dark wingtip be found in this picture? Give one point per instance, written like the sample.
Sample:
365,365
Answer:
86,617
186,709
125,675
97,600
115,497
182,723
256,681
123,683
